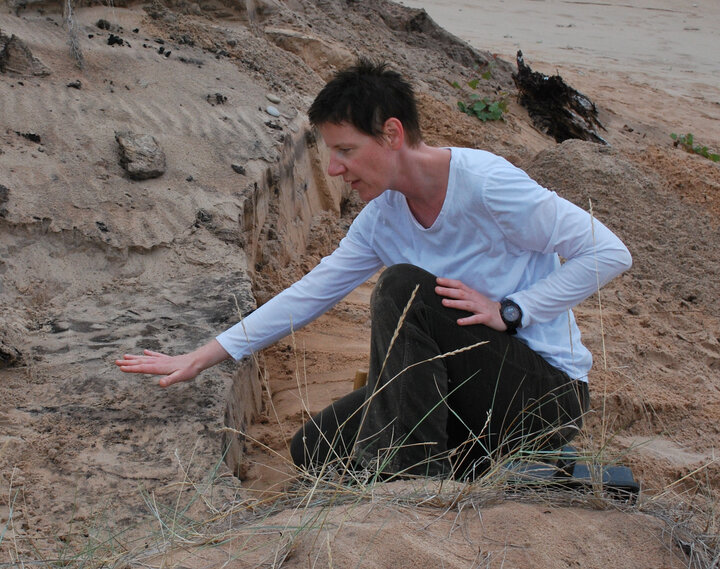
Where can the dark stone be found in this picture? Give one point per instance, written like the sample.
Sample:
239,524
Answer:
75,84
191,61
115,40
31,136
9,355
103,24
216,99
238,169
203,217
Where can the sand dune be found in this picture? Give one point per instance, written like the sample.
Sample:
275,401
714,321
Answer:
94,264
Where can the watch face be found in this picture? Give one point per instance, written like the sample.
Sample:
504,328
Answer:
511,313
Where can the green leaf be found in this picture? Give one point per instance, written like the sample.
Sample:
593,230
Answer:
480,105
494,111
473,83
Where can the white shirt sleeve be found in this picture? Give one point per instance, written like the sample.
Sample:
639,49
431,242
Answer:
351,264
534,218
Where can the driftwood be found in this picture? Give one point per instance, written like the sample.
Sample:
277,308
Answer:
556,108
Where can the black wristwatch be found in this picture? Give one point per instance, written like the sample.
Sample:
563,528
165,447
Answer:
511,314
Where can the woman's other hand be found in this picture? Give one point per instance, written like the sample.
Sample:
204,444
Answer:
483,310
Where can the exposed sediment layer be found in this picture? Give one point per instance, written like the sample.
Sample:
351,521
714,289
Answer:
288,197
94,264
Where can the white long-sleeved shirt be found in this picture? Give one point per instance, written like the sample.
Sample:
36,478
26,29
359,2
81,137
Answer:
499,232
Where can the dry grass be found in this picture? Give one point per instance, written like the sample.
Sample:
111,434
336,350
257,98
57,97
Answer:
256,530
251,529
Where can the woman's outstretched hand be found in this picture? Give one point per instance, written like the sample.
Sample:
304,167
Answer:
174,369
483,310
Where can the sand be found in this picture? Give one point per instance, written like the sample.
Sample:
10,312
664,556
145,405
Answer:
94,265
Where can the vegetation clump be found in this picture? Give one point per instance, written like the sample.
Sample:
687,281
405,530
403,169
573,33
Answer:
687,143
479,107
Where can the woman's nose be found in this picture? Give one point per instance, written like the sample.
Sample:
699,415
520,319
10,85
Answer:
335,167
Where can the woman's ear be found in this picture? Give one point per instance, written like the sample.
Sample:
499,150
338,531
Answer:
394,133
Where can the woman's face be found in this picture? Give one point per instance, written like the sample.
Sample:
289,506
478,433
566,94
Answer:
363,161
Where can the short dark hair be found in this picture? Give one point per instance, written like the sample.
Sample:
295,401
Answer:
365,96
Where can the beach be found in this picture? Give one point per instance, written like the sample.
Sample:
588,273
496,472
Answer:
665,43
657,47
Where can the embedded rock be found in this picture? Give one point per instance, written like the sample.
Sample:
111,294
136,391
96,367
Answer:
9,354
16,57
140,155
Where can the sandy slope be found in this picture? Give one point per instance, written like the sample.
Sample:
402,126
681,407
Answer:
78,438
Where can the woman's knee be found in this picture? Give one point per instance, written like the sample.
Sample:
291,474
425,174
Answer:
398,282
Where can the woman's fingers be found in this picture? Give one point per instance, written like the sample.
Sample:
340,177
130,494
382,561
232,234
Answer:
154,364
174,369
156,354
451,288
457,294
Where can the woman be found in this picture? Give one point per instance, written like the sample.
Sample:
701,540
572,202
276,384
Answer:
474,347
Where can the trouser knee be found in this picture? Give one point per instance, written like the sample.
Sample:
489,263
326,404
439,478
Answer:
397,282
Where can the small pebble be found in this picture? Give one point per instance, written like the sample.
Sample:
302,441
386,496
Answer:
238,169
272,111
273,98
